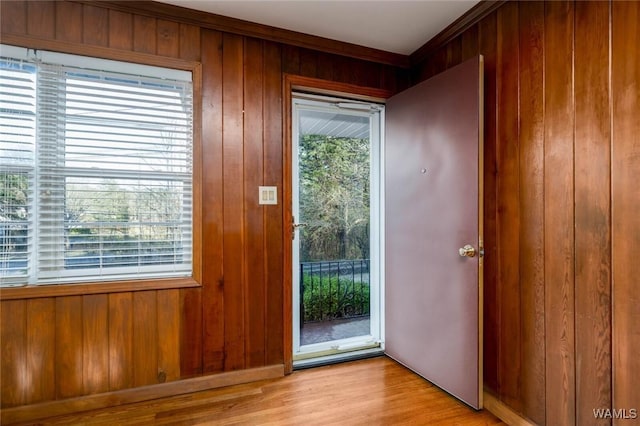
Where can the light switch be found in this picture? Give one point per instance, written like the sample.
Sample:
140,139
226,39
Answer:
268,195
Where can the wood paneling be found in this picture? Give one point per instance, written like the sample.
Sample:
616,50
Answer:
41,19
507,203
531,208
41,341
273,226
559,214
561,316
95,24
13,335
69,347
213,301
233,202
120,341
487,44
254,272
87,339
592,211
561,222
95,343
145,338
625,74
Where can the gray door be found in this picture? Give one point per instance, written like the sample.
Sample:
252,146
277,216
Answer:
433,187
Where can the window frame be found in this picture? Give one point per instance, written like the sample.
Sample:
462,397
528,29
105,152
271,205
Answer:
128,284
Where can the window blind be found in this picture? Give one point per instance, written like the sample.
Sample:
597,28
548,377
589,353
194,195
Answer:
113,175
17,161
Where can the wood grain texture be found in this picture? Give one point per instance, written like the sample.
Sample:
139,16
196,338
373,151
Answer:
531,209
41,19
273,216
190,42
254,244
559,215
168,38
44,410
145,34
121,364
508,206
13,17
191,328
487,42
40,341
592,211
395,395
14,347
69,347
95,343
625,73
120,30
68,12
168,312
95,25
145,338
213,301
563,359
235,298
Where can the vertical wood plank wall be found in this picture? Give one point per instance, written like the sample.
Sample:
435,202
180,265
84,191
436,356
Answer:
64,347
562,310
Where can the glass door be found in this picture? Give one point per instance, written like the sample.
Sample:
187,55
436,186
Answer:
336,207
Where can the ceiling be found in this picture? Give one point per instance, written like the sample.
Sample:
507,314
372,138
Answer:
398,26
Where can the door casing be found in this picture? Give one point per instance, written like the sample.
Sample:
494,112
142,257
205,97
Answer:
294,83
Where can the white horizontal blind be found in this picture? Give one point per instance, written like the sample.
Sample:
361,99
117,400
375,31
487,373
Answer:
114,175
17,159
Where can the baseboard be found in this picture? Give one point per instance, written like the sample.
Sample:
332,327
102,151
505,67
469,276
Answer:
26,413
503,412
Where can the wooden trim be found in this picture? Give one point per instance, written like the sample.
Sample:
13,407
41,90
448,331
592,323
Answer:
98,52
460,25
316,86
59,290
28,413
198,166
331,88
504,412
287,228
251,29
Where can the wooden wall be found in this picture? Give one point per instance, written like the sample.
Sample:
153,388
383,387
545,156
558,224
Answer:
562,311
64,346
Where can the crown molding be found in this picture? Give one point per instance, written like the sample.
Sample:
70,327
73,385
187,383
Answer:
250,29
466,21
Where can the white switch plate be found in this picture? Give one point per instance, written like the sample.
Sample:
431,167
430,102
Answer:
267,195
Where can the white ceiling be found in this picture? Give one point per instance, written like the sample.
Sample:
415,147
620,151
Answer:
399,26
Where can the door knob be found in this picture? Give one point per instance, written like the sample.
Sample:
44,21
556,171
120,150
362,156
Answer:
467,251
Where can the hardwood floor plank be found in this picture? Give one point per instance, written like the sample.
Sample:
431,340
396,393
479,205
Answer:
369,392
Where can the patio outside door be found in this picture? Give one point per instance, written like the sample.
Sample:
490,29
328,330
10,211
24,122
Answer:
336,193
433,227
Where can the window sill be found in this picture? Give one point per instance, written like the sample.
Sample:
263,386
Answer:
57,290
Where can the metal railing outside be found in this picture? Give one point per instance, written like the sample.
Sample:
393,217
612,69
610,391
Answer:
334,290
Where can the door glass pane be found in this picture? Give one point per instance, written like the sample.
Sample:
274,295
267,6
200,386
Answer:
334,160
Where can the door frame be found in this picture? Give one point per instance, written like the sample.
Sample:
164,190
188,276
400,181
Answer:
295,83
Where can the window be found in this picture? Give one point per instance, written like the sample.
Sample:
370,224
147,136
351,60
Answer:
95,169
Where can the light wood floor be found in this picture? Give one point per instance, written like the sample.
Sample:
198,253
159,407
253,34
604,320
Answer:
370,392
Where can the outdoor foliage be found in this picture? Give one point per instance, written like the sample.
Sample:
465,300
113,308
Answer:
334,197
333,298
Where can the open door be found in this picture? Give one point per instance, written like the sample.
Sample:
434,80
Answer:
433,237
